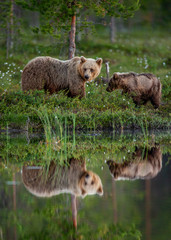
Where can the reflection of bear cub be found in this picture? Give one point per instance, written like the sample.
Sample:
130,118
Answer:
142,167
72,178
142,87
53,75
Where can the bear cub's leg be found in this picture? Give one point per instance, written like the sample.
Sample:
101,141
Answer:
155,101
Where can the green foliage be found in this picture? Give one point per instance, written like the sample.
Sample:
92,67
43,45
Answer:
57,14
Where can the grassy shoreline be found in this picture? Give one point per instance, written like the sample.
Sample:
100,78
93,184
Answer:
21,111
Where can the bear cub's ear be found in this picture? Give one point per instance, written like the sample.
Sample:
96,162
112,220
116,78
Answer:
83,59
99,61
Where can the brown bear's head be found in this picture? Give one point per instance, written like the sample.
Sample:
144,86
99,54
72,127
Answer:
90,184
114,82
89,68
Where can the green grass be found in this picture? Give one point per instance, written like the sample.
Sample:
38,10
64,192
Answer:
134,51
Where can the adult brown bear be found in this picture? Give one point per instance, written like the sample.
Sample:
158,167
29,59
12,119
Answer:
72,178
53,75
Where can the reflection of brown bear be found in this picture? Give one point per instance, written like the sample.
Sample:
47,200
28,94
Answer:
141,167
142,87
53,75
72,178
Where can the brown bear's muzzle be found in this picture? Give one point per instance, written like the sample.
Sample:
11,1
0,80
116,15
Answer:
86,77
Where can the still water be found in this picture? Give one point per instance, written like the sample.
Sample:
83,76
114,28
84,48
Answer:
85,187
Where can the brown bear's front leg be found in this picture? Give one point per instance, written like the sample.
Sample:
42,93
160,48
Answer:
77,91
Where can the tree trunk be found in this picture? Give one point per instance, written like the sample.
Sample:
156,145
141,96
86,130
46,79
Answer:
112,30
12,24
72,46
114,201
74,210
10,30
14,205
148,209
7,39
78,36
35,19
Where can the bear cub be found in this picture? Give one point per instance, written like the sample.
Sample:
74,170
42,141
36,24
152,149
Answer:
142,87
145,164
53,75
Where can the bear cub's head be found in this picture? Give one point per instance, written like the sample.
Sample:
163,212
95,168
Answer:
114,82
89,68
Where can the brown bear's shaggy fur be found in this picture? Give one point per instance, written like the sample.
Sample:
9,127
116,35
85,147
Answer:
72,178
142,87
54,75
141,167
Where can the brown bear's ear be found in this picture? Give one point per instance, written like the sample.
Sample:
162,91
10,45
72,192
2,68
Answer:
99,61
100,190
83,59
115,76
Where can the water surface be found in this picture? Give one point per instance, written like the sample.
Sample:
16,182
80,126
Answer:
134,173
